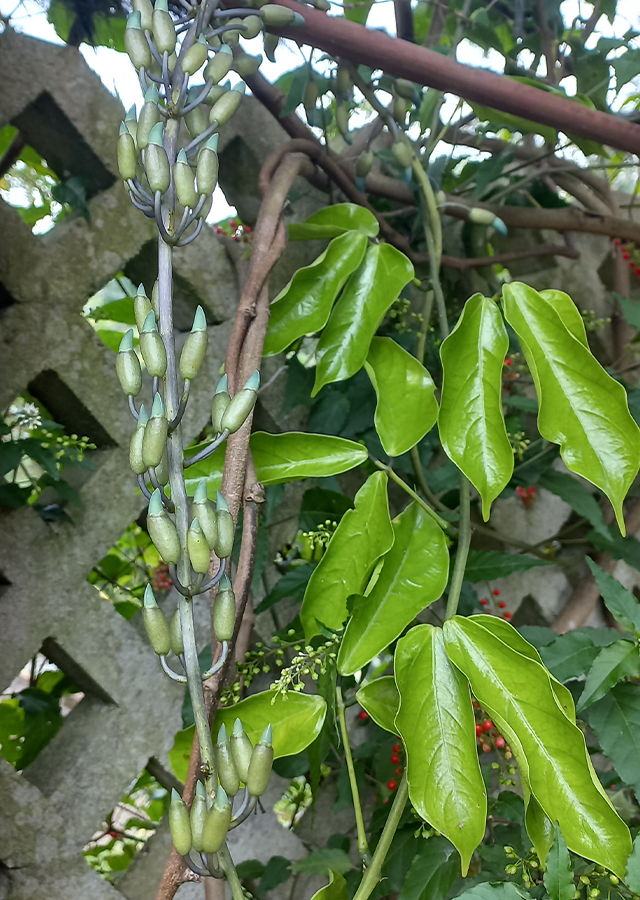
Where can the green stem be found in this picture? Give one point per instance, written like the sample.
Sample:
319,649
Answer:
230,872
372,875
424,327
363,844
446,526
416,462
464,539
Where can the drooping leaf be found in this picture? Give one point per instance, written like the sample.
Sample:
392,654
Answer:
432,872
517,693
358,10
414,574
304,304
370,291
437,726
558,878
276,871
582,408
626,66
380,698
321,862
615,720
578,496
282,457
633,867
292,584
485,565
335,220
611,665
471,421
406,408
362,537
570,655
620,602
514,123
335,890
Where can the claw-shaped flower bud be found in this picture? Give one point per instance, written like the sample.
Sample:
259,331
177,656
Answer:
135,42
156,163
152,346
217,91
141,307
145,8
343,81
126,154
241,405
136,460
232,36
270,42
179,824
195,57
183,179
217,823
164,31
261,764
221,401
161,529
194,347
226,528
225,107
131,121
128,366
485,217
441,198
311,93
400,109
241,750
245,64
197,120
154,300
155,434
225,766
199,553
275,16
149,117
207,166
252,27
155,624
162,469
224,612
206,514
198,816
403,154
342,121
219,65
404,88
175,633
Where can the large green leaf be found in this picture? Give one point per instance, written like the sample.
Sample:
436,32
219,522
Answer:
335,220
344,343
633,867
582,408
485,565
620,602
362,537
414,574
569,313
115,311
471,420
437,726
406,408
615,720
282,457
611,665
335,890
517,692
558,878
570,655
432,872
514,123
303,306
296,720
380,698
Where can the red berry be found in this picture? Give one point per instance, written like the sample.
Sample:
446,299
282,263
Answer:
386,800
395,759
233,223
392,785
396,748
486,748
399,771
502,604
363,715
114,835
508,615
508,361
484,602
487,725
479,730
248,228
616,242
626,254
495,592
500,742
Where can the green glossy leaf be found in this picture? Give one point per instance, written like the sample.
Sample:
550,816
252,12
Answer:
620,602
486,565
335,890
503,890
517,693
615,720
582,408
633,867
558,878
115,311
437,726
611,665
344,343
570,655
304,305
380,698
471,420
569,313
362,537
321,862
414,574
432,872
281,457
578,496
332,221
514,123
406,408
276,871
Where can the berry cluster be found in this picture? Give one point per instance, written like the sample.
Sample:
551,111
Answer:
629,254
527,495
308,661
501,605
530,865
519,443
235,230
161,579
392,784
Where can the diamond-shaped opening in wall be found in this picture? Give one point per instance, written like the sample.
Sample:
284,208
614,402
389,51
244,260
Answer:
33,709
128,827
110,311
49,447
